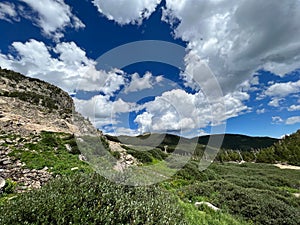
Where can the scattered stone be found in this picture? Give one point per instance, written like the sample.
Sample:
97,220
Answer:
2,183
82,157
6,162
8,141
68,147
45,168
209,205
26,171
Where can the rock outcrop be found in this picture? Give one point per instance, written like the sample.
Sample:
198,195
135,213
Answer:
27,107
15,170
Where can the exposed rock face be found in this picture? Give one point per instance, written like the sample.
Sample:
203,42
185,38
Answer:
30,105
27,107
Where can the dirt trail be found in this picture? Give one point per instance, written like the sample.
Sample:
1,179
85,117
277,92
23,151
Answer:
281,166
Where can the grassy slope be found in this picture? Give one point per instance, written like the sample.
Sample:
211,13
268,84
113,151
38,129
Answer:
247,193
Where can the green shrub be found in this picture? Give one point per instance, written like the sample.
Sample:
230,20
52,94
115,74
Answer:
9,187
117,155
191,172
143,156
83,199
258,206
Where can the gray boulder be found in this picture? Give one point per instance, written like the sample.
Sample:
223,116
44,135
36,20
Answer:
2,183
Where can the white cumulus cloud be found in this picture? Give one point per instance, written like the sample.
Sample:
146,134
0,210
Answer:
283,89
293,120
179,111
275,102
294,108
53,16
71,70
260,111
238,37
277,120
141,83
101,111
125,12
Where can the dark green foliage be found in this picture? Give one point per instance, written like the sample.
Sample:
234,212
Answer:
112,138
286,150
9,187
104,142
145,156
231,141
241,142
117,155
191,172
158,154
259,206
74,147
256,192
142,156
83,199
266,155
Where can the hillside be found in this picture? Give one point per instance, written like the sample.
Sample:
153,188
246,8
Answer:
45,177
242,142
231,141
36,131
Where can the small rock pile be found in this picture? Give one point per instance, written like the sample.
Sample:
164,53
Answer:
15,170
125,159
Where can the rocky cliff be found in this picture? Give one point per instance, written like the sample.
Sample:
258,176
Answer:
29,107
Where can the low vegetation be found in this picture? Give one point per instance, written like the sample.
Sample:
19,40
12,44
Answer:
249,193
51,151
258,193
143,156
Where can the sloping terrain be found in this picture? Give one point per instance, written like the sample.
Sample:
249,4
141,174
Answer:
36,123
44,178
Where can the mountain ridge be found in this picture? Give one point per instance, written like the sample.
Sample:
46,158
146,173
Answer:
231,141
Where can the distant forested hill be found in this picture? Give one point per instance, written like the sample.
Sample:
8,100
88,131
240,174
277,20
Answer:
231,141
242,142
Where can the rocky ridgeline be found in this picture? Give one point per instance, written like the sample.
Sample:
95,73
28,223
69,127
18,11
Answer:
27,107
30,105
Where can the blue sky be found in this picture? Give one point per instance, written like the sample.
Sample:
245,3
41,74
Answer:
251,48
